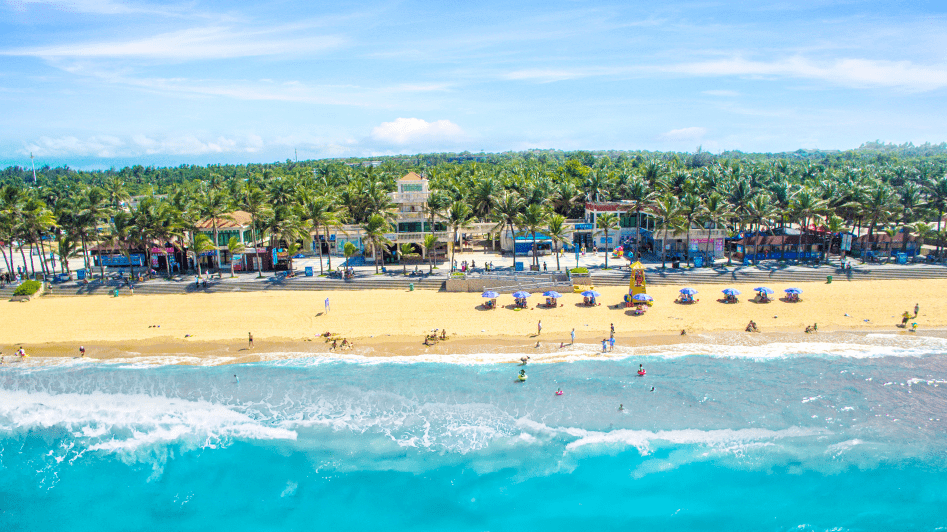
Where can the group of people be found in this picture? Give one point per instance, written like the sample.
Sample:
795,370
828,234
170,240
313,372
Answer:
814,328
433,338
751,327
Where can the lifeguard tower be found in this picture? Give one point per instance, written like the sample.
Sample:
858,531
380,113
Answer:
637,284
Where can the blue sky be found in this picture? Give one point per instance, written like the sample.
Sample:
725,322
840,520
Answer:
95,83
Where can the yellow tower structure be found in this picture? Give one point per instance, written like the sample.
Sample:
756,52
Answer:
637,284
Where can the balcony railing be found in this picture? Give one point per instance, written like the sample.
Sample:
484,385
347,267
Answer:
410,197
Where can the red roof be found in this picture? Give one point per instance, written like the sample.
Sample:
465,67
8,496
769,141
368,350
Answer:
235,220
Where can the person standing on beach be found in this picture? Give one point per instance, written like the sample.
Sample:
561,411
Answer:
251,340
611,343
572,334
613,329
604,344
82,351
327,305
539,328
916,309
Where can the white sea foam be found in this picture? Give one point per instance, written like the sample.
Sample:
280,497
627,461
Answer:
130,424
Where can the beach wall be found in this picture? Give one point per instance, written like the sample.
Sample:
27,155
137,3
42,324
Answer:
507,283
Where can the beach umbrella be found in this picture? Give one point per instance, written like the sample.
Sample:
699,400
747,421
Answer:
521,294
590,293
552,293
731,291
688,291
491,294
763,289
642,297
793,291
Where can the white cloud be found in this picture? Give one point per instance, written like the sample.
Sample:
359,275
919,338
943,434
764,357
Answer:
102,7
211,42
110,146
412,131
684,134
848,72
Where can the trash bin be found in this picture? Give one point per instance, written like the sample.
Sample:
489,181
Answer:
698,262
675,264
411,287
518,266
309,272
115,293
828,279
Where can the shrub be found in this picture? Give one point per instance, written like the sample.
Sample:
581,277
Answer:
579,270
27,288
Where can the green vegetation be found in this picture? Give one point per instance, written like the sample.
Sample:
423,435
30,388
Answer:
27,288
579,271
877,187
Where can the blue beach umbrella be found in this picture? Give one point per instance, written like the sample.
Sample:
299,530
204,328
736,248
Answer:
763,290
590,293
731,291
521,294
793,291
491,294
552,293
642,297
688,291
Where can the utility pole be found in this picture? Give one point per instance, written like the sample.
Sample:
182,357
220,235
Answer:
34,167
296,152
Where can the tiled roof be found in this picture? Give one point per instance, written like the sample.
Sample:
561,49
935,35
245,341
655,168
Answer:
411,176
235,220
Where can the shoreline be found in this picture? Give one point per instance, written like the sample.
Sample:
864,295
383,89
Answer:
394,322
487,350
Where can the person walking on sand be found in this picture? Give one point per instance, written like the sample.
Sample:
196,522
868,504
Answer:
611,343
604,344
613,329
251,340
916,309
539,328
82,351
572,335
904,319
327,305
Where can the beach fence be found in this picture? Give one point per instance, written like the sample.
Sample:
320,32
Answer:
508,282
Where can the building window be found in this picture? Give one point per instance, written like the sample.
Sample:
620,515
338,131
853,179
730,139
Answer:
410,187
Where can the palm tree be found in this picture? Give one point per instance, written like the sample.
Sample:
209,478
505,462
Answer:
691,206
715,210
253,201
531,221
667,211
556,230
122,231
507,209
759,209
375,229
458,217
878,207
938,202
67,249
406,249
322,213
637,191
93,210
430,241
235,248
806,205
213,206
605,223
202,244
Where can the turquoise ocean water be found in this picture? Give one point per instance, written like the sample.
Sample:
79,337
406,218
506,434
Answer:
847,434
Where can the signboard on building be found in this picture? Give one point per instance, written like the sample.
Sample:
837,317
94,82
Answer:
846,242
584,227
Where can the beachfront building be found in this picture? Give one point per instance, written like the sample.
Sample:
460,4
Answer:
705,240
233,224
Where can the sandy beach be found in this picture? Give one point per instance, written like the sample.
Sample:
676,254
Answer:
395,321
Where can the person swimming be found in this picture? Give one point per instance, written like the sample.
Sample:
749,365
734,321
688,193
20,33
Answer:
621,407
559,391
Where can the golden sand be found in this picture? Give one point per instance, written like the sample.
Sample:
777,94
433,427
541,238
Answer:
406,316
